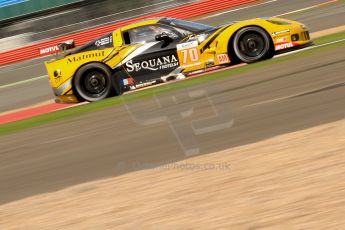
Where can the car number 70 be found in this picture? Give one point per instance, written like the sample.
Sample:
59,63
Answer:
190,55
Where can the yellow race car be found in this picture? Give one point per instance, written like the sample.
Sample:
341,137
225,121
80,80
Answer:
158,50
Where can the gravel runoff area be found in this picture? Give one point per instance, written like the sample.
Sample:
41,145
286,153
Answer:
291,181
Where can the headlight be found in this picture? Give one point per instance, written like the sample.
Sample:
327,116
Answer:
304,27
294,37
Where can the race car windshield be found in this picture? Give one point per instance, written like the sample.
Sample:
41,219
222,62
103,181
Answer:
191,26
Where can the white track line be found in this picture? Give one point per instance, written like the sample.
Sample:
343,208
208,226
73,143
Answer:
27,107
289,96
115,21
21,67
126,11
271,1
311,47
14,64
326,32
306,8
241,8
23,82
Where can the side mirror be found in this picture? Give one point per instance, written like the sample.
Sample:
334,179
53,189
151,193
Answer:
164,37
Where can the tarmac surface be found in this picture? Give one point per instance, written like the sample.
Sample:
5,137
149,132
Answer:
32,92
276,99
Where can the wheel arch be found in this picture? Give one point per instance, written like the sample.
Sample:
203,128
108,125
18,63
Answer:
75,92
230,50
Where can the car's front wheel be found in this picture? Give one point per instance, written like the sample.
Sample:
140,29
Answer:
93,82
252,44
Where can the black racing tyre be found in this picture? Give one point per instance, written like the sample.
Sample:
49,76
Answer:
252,44
93,82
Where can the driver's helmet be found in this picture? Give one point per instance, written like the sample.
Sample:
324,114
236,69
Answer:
145,33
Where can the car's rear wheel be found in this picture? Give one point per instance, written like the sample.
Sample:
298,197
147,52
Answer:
93,82
252,44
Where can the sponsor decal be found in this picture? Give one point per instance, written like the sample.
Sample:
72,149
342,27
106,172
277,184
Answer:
141,85
191,65
159,63
189,55
85,56
57,76
196,72
280,32
49,50
282,39
284,46
104,41
187,45
223,58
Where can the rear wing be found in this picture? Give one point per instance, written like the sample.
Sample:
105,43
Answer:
64,48
60,50
66,45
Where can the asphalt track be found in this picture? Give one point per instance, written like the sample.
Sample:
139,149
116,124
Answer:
266,102
38,90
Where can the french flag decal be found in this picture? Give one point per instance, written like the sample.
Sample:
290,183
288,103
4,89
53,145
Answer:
128,81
